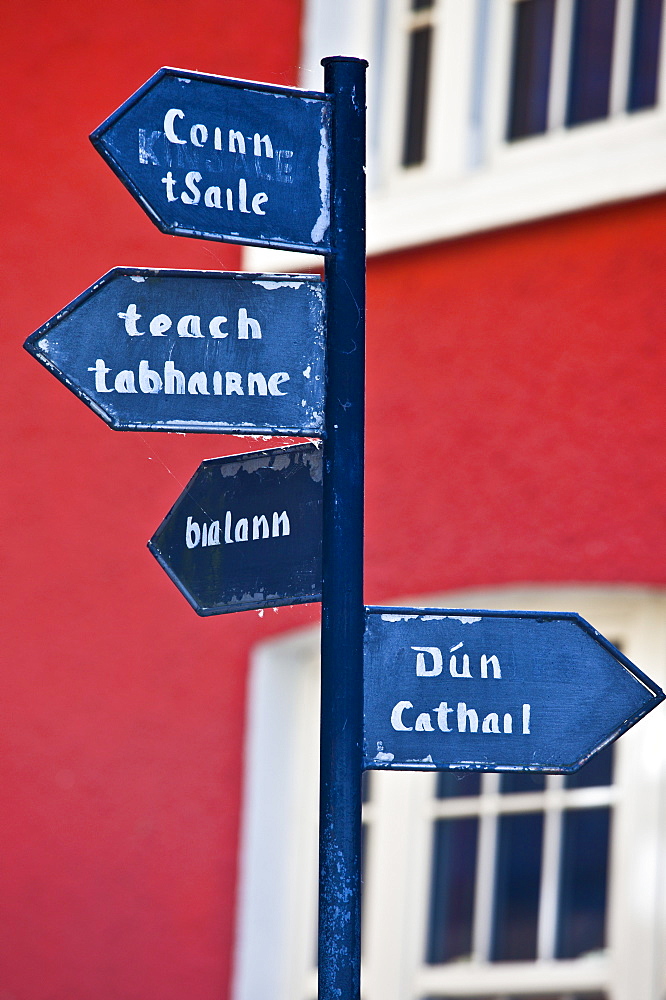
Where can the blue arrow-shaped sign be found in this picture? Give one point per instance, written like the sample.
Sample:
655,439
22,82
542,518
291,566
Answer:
224,159
246,532
194,351
493,690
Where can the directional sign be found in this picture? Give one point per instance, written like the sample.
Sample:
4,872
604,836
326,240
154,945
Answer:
493,690
193,351
225,159
246,532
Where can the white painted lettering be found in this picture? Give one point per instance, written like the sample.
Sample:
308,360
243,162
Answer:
443,711
174,380
124,382
213,197
101,371
169,120
131,317
280,520
423,723
215,327
258,200
227,528
160,324
396,717
453,669
170,182
422,669
234,383
198,135
466,714
241,530
192,178
490,723
275,381
236,141
198,384
247,326
189,326
192,534
268,147
486,661
258,381
526,719
149,380
258,522
242,197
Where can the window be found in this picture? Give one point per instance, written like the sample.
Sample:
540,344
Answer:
574,63
482,886
484,113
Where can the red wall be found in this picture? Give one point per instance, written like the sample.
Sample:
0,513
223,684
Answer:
516,417
515,433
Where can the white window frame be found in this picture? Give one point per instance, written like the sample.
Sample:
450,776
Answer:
472,178
277,892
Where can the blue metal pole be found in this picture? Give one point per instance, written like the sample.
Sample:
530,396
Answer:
342,585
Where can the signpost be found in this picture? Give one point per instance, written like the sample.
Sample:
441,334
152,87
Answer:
246,532
493,690
193,351
225,159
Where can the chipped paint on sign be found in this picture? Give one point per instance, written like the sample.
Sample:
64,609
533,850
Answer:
223,159
246,532
199,351
520,691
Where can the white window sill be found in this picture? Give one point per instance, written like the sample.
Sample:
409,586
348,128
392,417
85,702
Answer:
563,171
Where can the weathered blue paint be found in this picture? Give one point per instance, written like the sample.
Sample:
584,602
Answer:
342,592
223,159
246,531
228,353
494,690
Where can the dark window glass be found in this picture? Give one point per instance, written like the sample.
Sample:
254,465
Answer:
452,784
517,879
597,771
453,878
645,45
591,58
422,4
583,881
418,76
530,67
522,781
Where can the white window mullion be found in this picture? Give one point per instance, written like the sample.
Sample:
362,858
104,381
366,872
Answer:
484,890
560,62
550,870
497,75
624,20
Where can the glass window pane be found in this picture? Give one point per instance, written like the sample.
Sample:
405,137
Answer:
517,880
591,58
418,76
583,882
452,900
422,4
597,771
455,784
522,781
530,67
645,46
